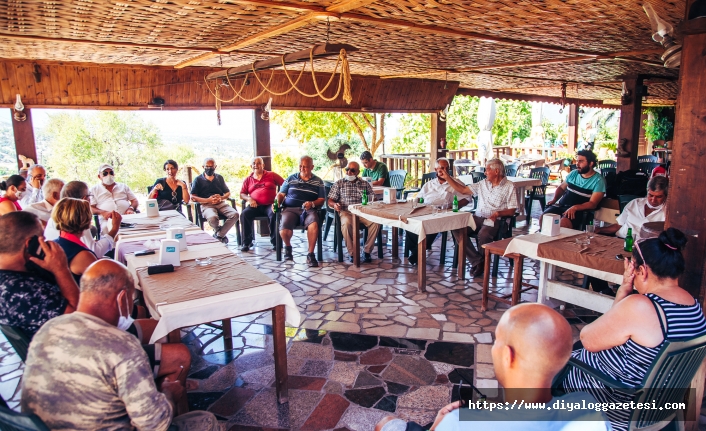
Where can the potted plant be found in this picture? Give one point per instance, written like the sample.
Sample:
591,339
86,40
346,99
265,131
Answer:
658,128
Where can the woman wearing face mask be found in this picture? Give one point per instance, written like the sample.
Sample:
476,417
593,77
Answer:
170,192
624,342
13,187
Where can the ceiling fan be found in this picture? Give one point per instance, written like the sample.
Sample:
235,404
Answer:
663,33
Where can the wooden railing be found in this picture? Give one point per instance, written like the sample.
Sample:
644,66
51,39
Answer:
416,164
472,153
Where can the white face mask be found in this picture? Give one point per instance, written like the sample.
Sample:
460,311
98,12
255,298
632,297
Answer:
350,177
19,194
109,180
654,207
124,322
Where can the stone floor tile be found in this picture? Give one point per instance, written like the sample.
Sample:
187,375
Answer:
344,372
431,397
350,317
327,413
409,371
311,351
483,354
361,419
232,401
423,333
405,320
352,328
484,337
448,326
390,331
485,371
417,415
459,338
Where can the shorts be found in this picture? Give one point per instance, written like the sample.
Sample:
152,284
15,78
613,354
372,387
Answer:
560,210
291,218
154,351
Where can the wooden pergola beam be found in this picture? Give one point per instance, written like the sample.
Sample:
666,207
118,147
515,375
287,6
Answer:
596,103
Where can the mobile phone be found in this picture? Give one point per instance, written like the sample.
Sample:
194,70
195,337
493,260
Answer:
127,225
144,252
619,257
34,249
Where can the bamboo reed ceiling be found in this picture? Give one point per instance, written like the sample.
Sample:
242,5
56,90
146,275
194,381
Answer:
522,47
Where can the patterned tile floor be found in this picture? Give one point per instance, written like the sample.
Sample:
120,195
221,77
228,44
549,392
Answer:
369,344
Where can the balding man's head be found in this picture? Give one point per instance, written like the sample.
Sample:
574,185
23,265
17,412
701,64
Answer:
105,279
532,344
75,189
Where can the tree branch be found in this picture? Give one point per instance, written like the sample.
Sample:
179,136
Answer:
358,130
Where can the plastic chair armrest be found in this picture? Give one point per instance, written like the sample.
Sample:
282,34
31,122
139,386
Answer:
602,377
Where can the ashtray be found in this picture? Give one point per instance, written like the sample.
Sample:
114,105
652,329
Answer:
203,261
583,241
164,226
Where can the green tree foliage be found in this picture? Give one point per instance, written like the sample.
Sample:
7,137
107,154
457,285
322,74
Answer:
284,163
512,116
606,124
8,158
552,131
78,145
414,134
657,125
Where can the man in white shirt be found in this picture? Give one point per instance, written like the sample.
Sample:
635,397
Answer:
435,192
79,190
641,210
532,345
51,190
109,196
35,180
496,199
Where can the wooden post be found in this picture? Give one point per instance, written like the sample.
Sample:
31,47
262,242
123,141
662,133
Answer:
24,138
438,132
686,210
261,138
629,129
573,128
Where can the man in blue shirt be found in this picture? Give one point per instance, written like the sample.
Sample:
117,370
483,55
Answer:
582,191
299,197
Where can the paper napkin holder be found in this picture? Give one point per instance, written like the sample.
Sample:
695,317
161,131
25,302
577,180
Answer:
178,234
551,225
389,195
152,208
169,252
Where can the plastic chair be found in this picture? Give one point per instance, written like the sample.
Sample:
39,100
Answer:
201,222
647,167
425,179
18,339
463,169
511,170
13,421
602,164
624,200
608,171
647,159
538,193
397,179
666,381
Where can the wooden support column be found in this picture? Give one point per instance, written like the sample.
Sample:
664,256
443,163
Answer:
24,138
438,132
686,209
261,138
629,129
573,128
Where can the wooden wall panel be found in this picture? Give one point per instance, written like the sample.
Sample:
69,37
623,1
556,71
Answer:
86,85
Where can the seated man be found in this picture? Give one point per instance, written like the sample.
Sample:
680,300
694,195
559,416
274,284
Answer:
259,191
300,196
532,344
641,210
106,243
435,192
35,180
28,296
109,196
83,369
583,190
210,190
496,199
51,190
376,170
349,191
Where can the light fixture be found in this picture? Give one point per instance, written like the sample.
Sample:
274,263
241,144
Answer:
266,111
663,33
18,115
444,113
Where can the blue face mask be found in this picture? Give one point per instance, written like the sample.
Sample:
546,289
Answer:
124,322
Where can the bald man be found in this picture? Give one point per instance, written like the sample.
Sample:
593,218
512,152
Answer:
89,352
532,344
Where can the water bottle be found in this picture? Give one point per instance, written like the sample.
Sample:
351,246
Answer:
455,204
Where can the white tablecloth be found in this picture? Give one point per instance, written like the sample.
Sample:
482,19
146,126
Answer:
154,235
527,245
422,225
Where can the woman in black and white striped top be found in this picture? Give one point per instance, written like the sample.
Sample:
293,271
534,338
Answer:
625,341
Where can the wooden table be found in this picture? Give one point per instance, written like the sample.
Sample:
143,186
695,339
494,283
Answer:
527,246
499,248
223,306
520,184
421,226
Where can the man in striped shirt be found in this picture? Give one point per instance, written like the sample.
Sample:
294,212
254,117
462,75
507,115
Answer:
300,196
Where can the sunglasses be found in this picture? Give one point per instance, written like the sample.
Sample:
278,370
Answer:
106,173
351,170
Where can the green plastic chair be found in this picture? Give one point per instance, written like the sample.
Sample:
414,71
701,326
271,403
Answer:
13,421
17,339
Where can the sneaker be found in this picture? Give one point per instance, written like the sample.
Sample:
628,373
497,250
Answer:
288,253
478,270
311,260
367,258
412,259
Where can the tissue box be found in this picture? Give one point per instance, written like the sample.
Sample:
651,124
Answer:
550,225
178,234
169,252
389,195
152,208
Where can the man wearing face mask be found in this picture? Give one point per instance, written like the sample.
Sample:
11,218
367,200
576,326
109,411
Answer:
91,354
210,190
109,196
27,299
641,210
35,180
349,191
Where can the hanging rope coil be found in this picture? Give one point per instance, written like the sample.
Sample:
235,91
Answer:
344,82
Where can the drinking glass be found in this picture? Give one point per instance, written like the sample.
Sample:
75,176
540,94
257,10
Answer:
443,207
590,231
414,200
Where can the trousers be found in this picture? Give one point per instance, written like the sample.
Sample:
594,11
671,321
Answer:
347,231
247,218
211,213
484,235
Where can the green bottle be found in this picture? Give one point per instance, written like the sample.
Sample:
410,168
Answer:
628,241
421,200
275,207
455,204
365,197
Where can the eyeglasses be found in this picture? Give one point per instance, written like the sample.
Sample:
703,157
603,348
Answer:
351,170
106,173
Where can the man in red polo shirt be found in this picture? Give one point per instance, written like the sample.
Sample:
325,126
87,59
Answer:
259,191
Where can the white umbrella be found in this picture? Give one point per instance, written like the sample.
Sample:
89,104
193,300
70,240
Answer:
486,118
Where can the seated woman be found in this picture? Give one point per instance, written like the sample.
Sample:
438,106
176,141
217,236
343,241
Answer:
71,217
170,192
624,342
13,187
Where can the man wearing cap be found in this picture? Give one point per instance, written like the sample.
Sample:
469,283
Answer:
375,170
109,196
